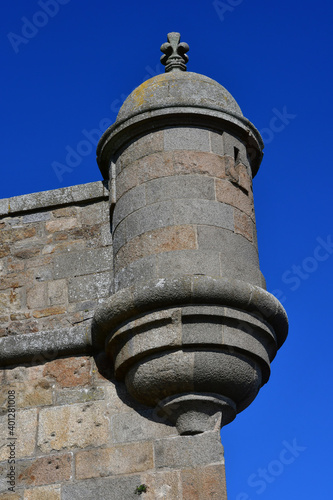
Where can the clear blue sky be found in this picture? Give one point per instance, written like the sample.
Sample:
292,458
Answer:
75,69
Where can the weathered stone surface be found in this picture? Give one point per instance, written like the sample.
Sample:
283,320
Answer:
19,316
237,377
232,172
128,203
179,212
120,459
94,213
64,212
24,374
150,218
16,281
165,164
244,180
196,332
37,296
60,236
187,162
83,395
33,201
136,272
238,256
4,250
112,488
131,426
16,265
138,148
182,89
45,470
3,479
150,167
216,143
11,496
189,289
43,493
21,327
228,193
64,246
153,242
9,300
69,372
80,263
85,305
89,287
162,485
41,347
180,186
10,221
203,212
25,432
86,233
74,426
119,236
26,253
117,398
39,262
29,393
16,234
164,333
182,262
243,224
204,483
49,311
161,376
36,217
106,236
188,451
57,292
233,147
188,138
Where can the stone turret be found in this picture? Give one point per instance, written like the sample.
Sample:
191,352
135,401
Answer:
190,327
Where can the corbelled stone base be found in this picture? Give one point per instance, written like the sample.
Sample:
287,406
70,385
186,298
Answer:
197,348
195,413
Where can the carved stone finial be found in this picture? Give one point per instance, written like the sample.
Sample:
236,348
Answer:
174,56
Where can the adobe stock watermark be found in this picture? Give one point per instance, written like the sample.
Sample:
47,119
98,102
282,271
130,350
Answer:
87,145
263,477
222,8
277,124
299,273
30,27
83,148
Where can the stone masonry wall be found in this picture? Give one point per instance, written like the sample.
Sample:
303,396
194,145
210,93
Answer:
80,437
77,434
55,259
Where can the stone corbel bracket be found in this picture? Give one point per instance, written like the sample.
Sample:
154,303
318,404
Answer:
195,347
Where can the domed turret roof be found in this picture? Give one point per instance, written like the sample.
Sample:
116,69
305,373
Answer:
175,98
178,89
